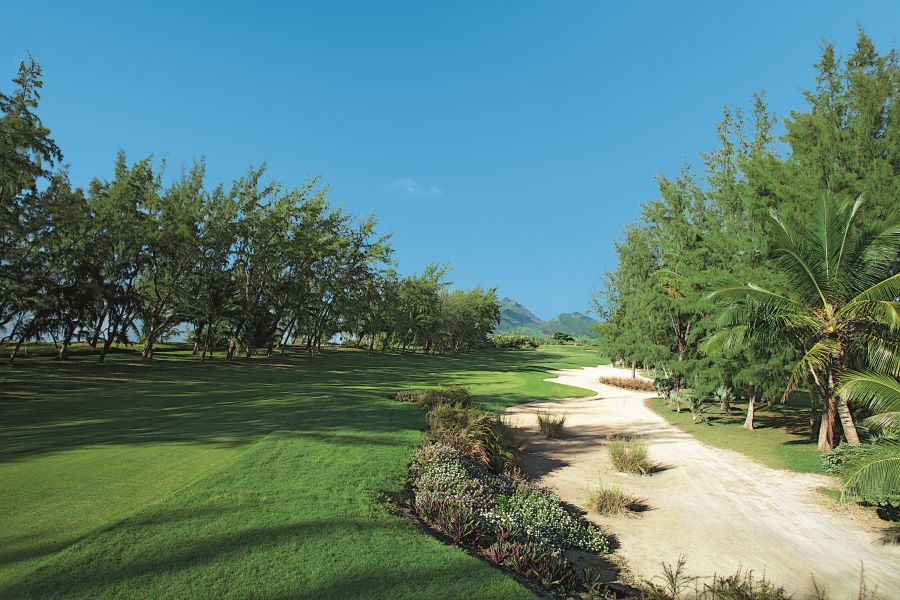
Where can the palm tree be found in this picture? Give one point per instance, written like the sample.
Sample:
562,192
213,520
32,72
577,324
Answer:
879,393
839,311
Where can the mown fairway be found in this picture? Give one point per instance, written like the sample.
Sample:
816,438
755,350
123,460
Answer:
175,478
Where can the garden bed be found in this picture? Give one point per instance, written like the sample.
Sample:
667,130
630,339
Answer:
464,488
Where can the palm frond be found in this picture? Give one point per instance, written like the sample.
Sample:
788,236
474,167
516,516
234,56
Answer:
723,340
881,354
885,290
886,312
878,393
879,477
885,423
814,359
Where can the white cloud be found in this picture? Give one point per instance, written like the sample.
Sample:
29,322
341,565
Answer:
411,186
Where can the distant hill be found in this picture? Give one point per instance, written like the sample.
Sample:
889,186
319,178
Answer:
515,317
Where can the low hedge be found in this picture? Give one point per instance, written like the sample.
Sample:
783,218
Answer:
641,385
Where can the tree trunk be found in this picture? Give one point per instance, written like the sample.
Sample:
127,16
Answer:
107,344
147,354
206,343
633,372
751,409
197,339
726,402
231,347
847,422
12,356
96,337
826,426
67,339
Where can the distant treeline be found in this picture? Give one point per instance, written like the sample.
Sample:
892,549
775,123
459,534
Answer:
244,268
761,273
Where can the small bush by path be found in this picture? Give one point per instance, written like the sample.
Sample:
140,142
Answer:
641,385
630,456
611,500
551,426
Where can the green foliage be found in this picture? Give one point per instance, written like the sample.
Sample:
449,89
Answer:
447,482
248,267
561,337
472,432
870,471
514,341
799,299
456,395
879,395
664,386
698,407
538,516
630,456
551,426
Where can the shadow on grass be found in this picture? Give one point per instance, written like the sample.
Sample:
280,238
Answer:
50,406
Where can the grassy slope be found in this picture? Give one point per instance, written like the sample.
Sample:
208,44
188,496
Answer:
176,478
780,438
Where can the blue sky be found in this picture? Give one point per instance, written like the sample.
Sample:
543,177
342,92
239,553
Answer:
512,140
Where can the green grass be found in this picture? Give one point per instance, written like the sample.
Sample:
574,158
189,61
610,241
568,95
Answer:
174,478
780,439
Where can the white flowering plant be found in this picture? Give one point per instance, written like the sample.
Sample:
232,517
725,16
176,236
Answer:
448,486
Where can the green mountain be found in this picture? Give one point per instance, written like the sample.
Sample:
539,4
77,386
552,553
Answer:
516,318
575,324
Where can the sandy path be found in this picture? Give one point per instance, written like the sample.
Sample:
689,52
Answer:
718,508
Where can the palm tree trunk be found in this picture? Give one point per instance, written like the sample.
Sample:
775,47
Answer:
847,422
826,426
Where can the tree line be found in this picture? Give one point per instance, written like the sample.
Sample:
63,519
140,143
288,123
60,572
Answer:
773,265
248,267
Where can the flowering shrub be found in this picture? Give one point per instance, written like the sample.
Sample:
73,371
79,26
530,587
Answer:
539,517
446,483
441,472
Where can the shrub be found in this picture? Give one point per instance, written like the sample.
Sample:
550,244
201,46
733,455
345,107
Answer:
680,399
473,432
440,472
845,460
447,483
551,426
611,500
552,569
532,528
449,394
454,395
629,456
454,519
537,516
742,585
664,386
514,341
698,409
638,384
